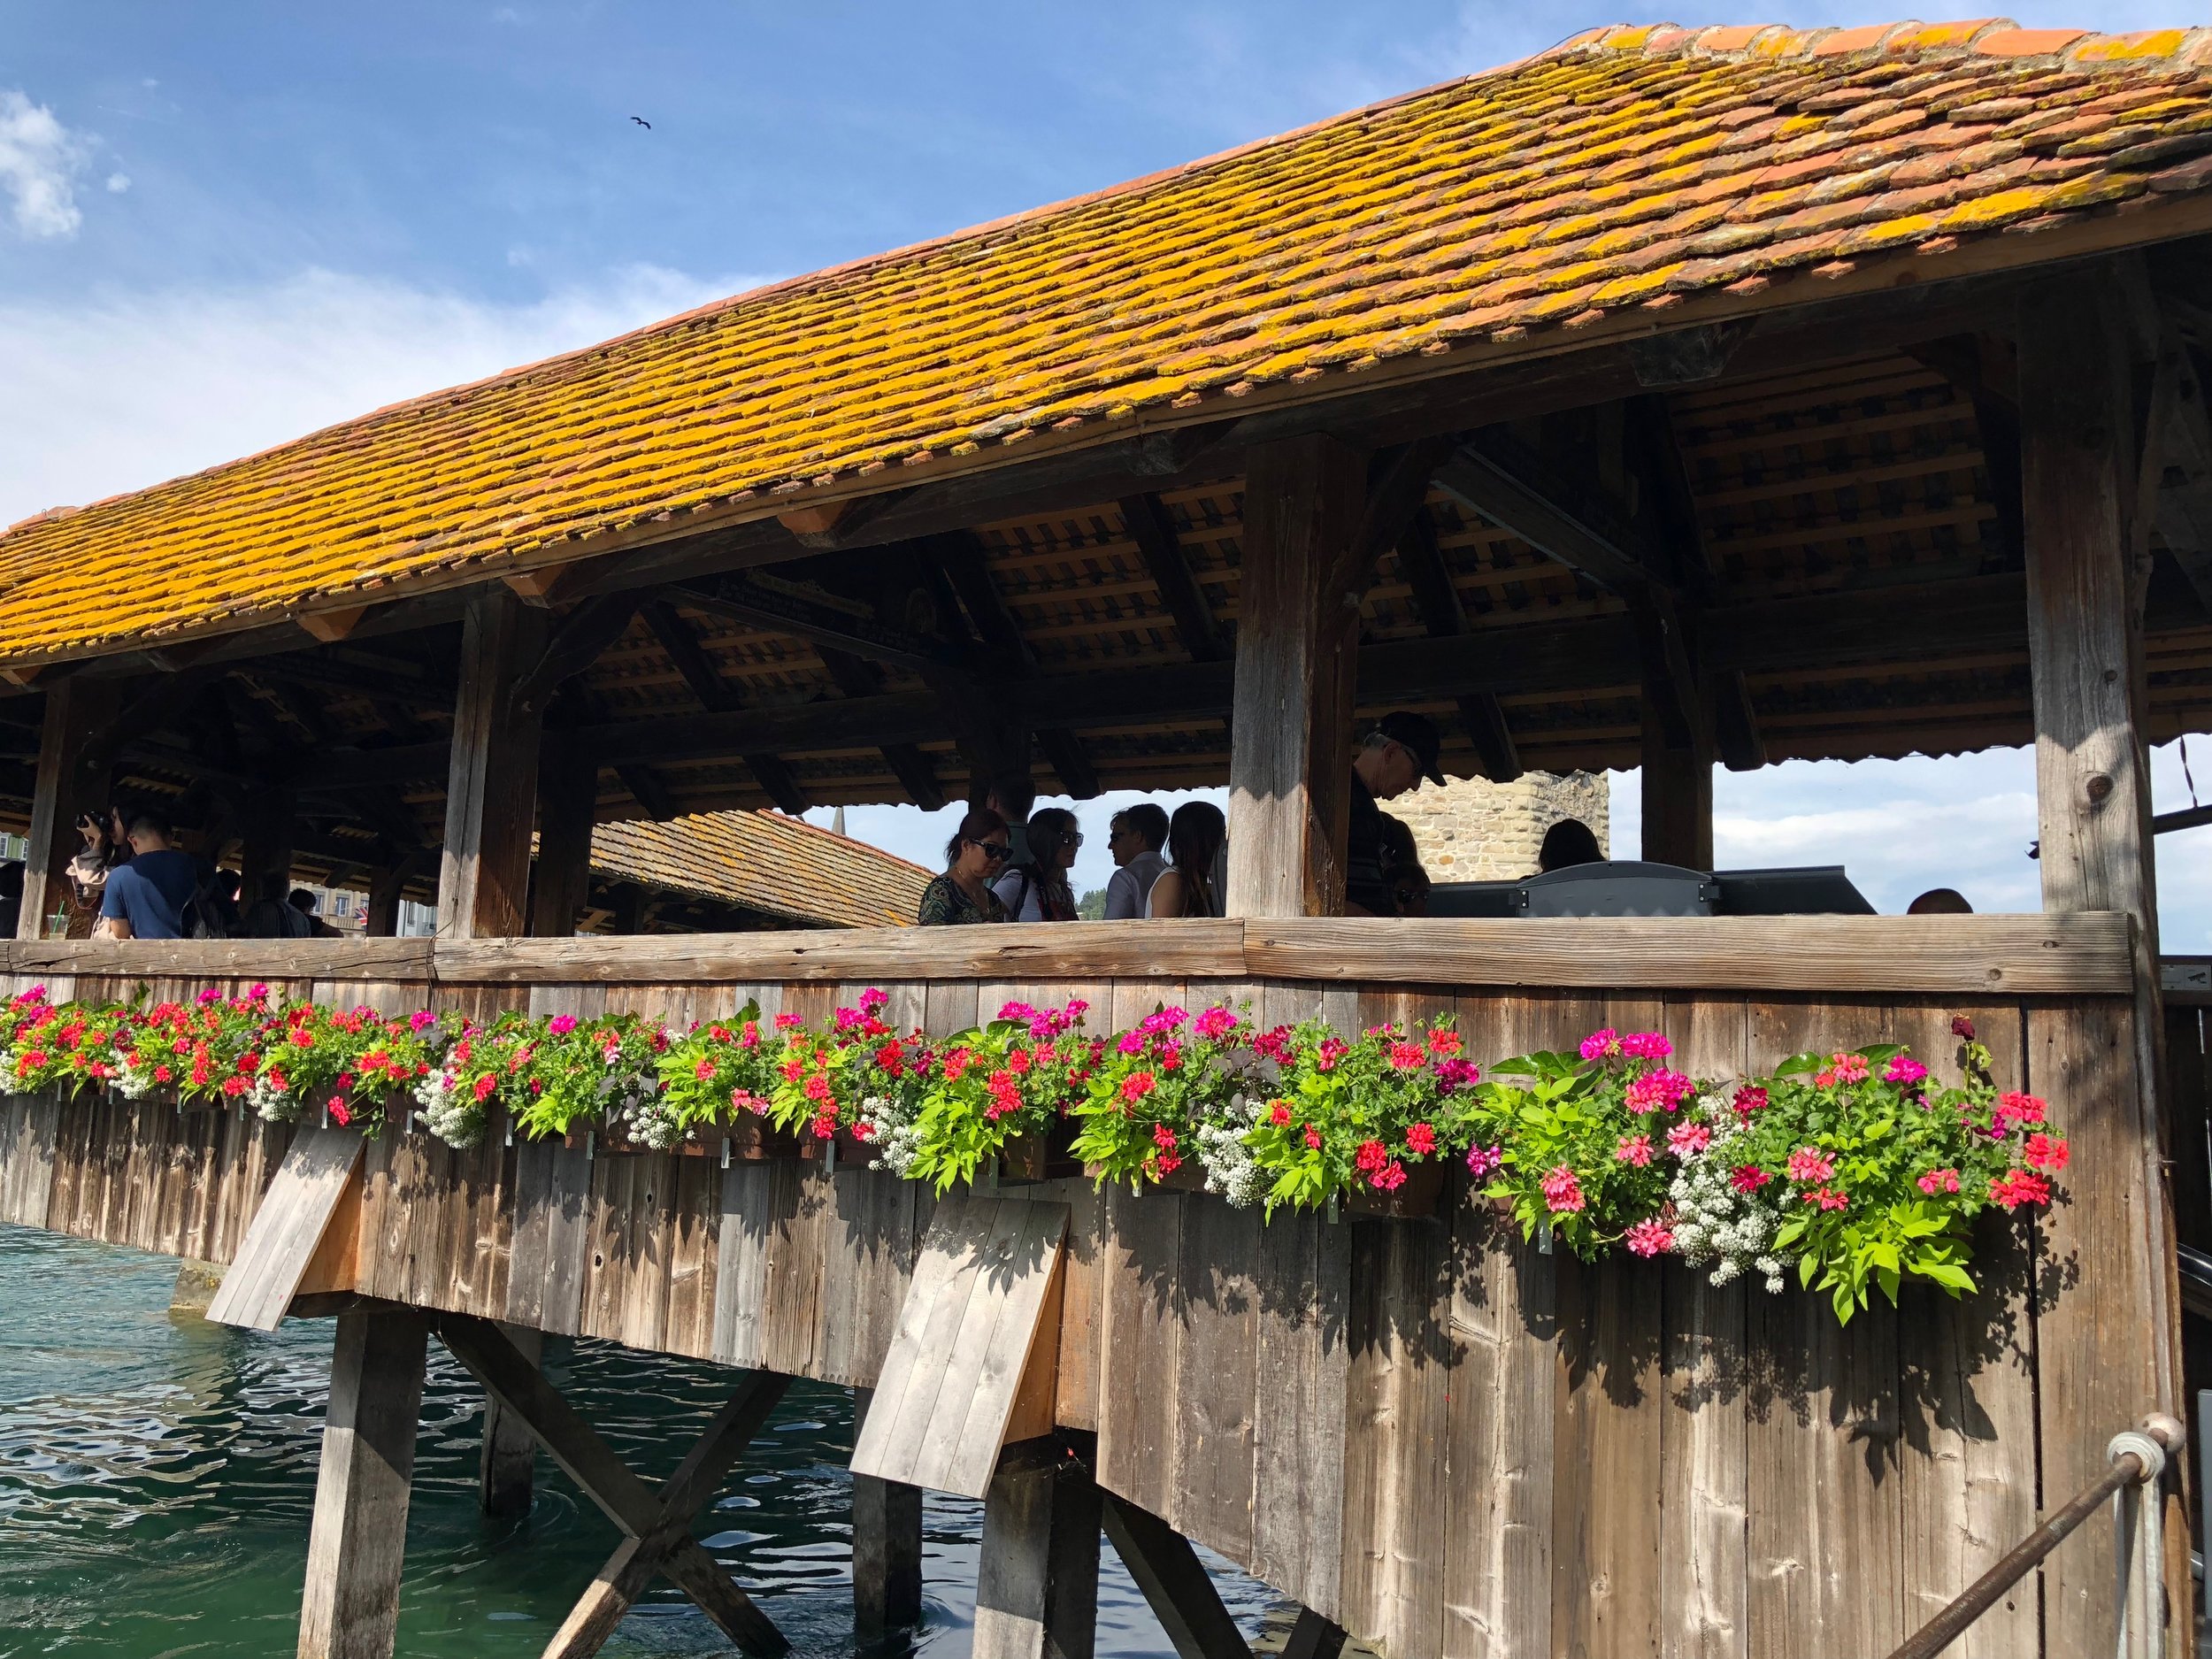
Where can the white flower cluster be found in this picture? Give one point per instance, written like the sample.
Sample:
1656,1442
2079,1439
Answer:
11,1073
898,1139
132,1082
641,1114
451,1114
276,1105
1231,1170
1713,1221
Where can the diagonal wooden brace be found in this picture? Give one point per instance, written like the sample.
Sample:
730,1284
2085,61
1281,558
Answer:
657,1525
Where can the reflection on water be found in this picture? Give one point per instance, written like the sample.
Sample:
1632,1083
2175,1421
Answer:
157,1477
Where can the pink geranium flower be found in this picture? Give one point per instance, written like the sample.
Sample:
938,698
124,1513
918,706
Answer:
1601,1045
1646,1045
1809,1163
1634,1149
1686,1139
1562,1191
1939,1181
1649,1238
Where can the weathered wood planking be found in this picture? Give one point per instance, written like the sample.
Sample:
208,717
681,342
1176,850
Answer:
28,1124
2088,953
289,1227
979,1301
1440,1437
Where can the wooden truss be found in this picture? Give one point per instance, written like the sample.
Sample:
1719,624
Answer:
657,1526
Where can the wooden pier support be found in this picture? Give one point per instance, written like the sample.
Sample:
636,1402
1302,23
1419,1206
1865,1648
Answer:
1175,1582
1036,1587
886,1545
656,1526
1313,1637
508,1468
358,1540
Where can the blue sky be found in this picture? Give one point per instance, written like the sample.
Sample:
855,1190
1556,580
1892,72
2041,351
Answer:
221,227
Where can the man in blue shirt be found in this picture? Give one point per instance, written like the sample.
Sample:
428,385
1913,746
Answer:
146,898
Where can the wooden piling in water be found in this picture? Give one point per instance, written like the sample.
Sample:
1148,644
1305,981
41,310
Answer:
358,1540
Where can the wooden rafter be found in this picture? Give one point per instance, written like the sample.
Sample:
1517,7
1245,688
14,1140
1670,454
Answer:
770,770
1441,613
759,606
580,640
960,558
657,1526
1152,527
857,678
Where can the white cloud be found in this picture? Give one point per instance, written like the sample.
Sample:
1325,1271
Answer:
119,183
39,161
1901,826
122,390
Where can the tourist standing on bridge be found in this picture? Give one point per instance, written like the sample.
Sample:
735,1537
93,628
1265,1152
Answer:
962,895
1036,890
1391,760
146,898
1135,836
1194,838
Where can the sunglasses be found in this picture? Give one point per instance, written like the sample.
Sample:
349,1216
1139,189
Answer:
994,849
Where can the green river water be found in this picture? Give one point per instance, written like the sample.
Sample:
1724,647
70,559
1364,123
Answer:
157,1475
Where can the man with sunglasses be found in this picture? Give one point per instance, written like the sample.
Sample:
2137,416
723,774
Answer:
1390,761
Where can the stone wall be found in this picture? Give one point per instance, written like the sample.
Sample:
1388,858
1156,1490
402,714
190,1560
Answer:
1474,830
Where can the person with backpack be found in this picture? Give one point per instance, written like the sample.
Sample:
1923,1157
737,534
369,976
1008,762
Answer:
149,897
1037,890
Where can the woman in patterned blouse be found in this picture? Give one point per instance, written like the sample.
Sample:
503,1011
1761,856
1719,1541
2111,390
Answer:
976,853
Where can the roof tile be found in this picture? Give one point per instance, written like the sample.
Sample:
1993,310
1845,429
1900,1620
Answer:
1632,167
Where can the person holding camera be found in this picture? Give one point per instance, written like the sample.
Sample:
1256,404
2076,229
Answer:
147,897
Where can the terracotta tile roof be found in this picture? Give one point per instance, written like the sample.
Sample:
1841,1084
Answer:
1626,173
765,861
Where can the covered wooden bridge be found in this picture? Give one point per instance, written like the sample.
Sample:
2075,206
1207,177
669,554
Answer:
1672,399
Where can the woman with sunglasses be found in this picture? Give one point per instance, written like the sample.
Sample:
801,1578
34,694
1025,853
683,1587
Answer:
976,853
1038,891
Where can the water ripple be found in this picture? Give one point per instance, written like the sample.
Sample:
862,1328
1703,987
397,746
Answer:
158,1475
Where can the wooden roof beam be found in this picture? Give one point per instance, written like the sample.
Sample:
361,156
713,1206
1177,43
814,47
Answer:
1152,527
908,764
775,777
580,640
759,606
1437,602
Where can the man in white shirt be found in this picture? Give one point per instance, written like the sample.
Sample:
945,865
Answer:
1135,837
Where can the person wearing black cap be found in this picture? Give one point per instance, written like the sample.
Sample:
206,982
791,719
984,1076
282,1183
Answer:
1392,759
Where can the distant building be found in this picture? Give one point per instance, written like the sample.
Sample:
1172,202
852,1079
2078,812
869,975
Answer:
1474,830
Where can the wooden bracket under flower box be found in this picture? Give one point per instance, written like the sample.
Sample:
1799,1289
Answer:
975,1362
304,1237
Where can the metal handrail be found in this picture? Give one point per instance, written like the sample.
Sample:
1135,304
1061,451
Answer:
2138,1457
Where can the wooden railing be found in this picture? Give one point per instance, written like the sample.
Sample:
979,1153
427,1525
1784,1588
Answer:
2028,955
1443,1438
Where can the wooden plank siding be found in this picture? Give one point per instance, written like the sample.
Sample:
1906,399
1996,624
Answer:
1442,1438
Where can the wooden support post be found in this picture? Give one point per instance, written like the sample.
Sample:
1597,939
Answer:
568,794
2110,1347
387,884
508,1466
358,1541
1036,1586
1678,797
657,1526
1290,760
1313,1637
886,1545
1176,1584
72,779
265,860
484,878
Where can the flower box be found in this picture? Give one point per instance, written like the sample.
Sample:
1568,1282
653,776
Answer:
1043,1158
1420,1197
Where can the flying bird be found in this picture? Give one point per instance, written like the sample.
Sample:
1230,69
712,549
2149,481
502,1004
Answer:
642,122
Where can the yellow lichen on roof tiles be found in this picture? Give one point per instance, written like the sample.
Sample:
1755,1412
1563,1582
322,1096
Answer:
766,862
1629,166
